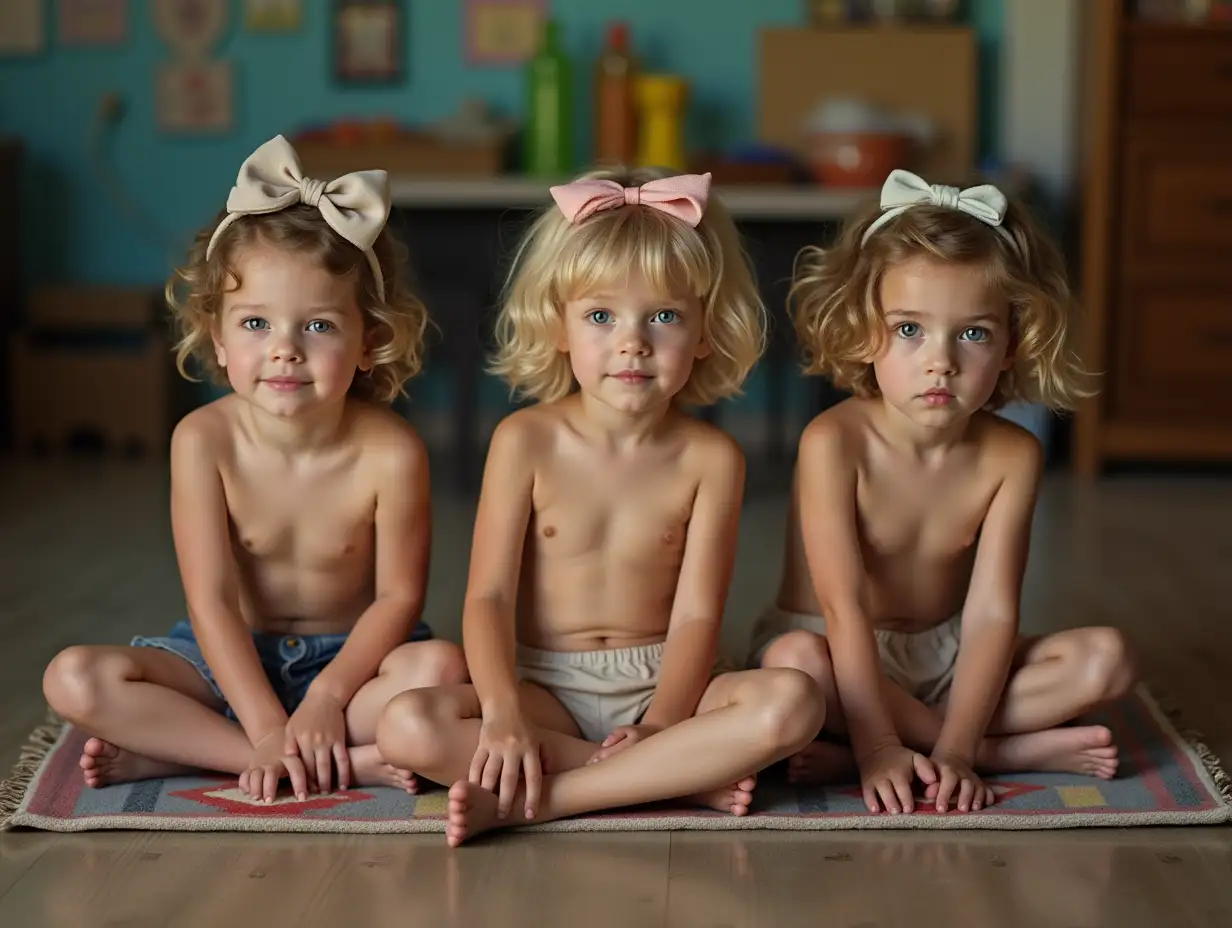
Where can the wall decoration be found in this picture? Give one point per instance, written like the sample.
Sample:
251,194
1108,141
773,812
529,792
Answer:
195,97
272,15
93,22
503,31
21,27
190,27
194,93
369,39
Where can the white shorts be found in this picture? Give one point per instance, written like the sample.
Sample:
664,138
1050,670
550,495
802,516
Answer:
922,663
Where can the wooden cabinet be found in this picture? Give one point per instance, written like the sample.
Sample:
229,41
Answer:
1157,240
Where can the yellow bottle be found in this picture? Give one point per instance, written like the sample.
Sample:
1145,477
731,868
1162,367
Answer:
661,100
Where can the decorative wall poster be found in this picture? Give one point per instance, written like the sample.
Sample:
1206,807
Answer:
369,41
21,27
93,22
195,97
503,31
190,27
272,15
194,93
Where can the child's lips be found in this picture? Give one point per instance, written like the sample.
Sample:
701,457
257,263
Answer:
938,397
634,377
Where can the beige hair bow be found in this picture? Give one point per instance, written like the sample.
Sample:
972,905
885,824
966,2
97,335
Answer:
355,206
903,190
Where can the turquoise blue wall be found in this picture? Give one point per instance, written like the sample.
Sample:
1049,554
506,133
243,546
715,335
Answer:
74,231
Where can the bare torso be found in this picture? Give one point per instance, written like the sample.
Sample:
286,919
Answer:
918,524
606,536
303,527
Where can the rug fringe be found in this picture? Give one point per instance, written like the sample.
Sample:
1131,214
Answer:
1196,740
38,744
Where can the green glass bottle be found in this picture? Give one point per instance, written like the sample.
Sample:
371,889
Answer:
548,140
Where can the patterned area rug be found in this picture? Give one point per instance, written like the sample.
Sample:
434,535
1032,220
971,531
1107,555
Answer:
1164,779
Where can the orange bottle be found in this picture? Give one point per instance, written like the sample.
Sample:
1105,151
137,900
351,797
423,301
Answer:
615,100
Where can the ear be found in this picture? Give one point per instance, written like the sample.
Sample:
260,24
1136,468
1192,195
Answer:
220,353
703,350
365,357
562,337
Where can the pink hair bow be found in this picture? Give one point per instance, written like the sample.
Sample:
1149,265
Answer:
683,196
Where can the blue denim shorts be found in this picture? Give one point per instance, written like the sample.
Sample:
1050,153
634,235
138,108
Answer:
291,662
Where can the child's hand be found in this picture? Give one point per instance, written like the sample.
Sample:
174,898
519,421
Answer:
888,773
268,765
955,773
621,738
317,733
507,746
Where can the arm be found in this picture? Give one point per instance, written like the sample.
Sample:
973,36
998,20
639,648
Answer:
705,575
990,614
201,529
488,624
403,541
507,744
826,477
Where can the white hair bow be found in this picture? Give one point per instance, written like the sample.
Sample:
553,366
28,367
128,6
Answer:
355,206
903,190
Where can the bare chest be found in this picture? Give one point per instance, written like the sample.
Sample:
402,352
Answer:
308,523
925,521
642,525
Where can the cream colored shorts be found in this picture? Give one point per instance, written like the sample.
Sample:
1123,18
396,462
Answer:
922,663
603,689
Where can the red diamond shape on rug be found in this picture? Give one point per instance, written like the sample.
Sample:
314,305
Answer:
225,795
1005,790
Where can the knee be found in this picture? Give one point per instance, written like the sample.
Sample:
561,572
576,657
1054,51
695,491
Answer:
1108,666
76,681
427,663
804,651
408,731
793,709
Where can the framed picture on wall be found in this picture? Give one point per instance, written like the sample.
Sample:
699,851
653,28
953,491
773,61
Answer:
369,41
502,32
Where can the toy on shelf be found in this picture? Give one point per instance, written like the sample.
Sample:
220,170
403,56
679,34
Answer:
661,100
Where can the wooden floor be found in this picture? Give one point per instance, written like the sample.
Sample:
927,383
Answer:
85,556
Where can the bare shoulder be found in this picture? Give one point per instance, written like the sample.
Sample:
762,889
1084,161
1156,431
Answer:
1006,448
205,434
837,436
383,433
523,437
710,451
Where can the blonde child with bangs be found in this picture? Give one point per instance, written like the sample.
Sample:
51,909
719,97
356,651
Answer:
606,530
299,508
912,503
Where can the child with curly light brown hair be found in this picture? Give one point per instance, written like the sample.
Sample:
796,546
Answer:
912,503
299,508
606,530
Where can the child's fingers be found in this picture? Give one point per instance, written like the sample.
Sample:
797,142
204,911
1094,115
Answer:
269,784
492,772
534,778
478,762
925,769
966,792
321,757
342,758
949,779
299,778
290,743
870,798
902,787
888,796
510,774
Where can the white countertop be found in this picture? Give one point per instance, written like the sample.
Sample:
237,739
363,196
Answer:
745,201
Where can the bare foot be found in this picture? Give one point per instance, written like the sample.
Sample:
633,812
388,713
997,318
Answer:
368,769
735,798
472,811
1086,749
102,764
822,762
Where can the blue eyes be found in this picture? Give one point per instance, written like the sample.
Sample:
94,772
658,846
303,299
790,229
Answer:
662,317
974,333
316,326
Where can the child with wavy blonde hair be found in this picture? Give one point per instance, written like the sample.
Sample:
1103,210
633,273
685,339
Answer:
912,503
606,530
299,508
